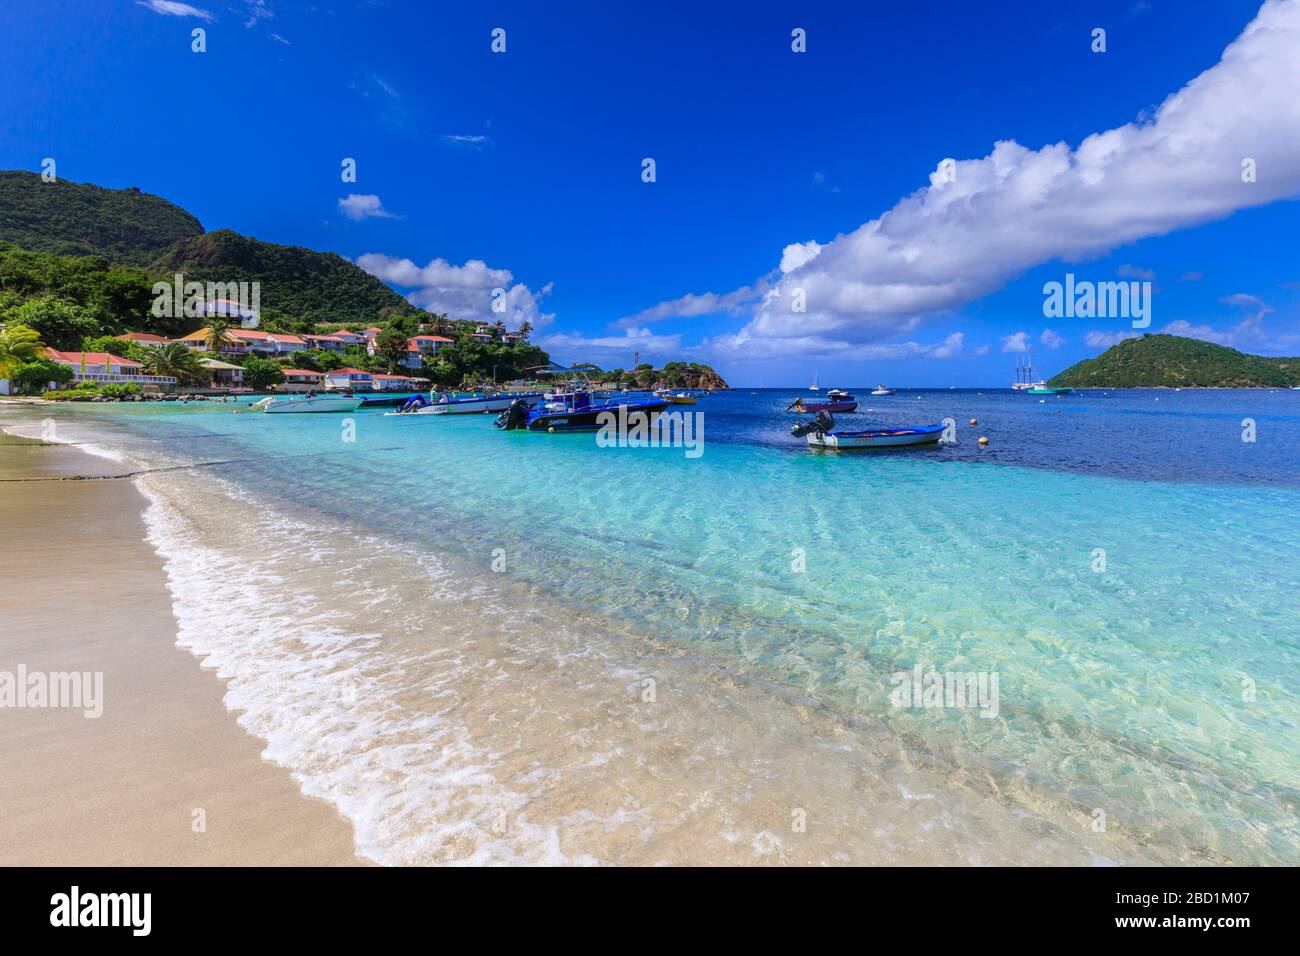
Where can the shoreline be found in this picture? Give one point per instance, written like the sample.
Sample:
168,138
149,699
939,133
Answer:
166,775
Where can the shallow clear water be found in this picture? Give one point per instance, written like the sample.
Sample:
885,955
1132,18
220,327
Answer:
507,646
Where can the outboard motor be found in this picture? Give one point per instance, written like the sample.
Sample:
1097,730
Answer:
823,423
514,417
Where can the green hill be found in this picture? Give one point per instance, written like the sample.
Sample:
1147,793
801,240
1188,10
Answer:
131,228
316,286
78,219
1168,361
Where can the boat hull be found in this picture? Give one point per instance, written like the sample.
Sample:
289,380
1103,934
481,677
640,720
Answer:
815,407
318,405
1049,391
587,419
877,438
468,406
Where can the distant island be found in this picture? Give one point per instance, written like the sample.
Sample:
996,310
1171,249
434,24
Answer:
1171,361
78,263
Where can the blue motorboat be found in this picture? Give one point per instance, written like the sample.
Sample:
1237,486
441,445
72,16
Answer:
575,411
821,433
572,406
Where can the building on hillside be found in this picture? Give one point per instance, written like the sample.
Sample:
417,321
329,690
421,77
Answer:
232,310
328,343
370,333
350,337
417,347
143,338
248,341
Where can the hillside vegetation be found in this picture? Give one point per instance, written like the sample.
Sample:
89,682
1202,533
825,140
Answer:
77,219
1170,361
319,287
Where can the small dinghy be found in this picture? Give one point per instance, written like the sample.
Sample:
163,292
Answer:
821,434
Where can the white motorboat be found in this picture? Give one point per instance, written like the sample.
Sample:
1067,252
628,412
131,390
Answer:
306,404
460,405
881,390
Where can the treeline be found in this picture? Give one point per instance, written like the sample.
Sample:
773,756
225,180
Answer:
672,375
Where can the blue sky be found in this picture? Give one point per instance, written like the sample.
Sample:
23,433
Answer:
523,170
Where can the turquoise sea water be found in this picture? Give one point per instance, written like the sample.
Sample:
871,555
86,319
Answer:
1124,563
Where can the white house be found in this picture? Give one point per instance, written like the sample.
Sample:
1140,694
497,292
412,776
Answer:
397,383
144,338
102,368
349,337
301,380
349,380
232,310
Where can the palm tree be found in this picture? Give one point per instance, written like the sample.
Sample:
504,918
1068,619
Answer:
216,337
178,361
19,344
498,329
525,330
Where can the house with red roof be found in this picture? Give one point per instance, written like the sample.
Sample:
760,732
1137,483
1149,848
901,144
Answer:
244,341
103,368
332,342
418,346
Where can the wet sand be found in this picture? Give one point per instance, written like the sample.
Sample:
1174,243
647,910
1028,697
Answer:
166,776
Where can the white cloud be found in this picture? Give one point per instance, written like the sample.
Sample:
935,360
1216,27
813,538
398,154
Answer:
690,305
1253,305
173,9
615,350
1016,342
358,207
1104,340
739,347
1248,335
1127,271
1051,339
279,39
466,141
257,10
955,241
983,350
463,292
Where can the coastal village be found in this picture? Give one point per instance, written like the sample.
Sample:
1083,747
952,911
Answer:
241,338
